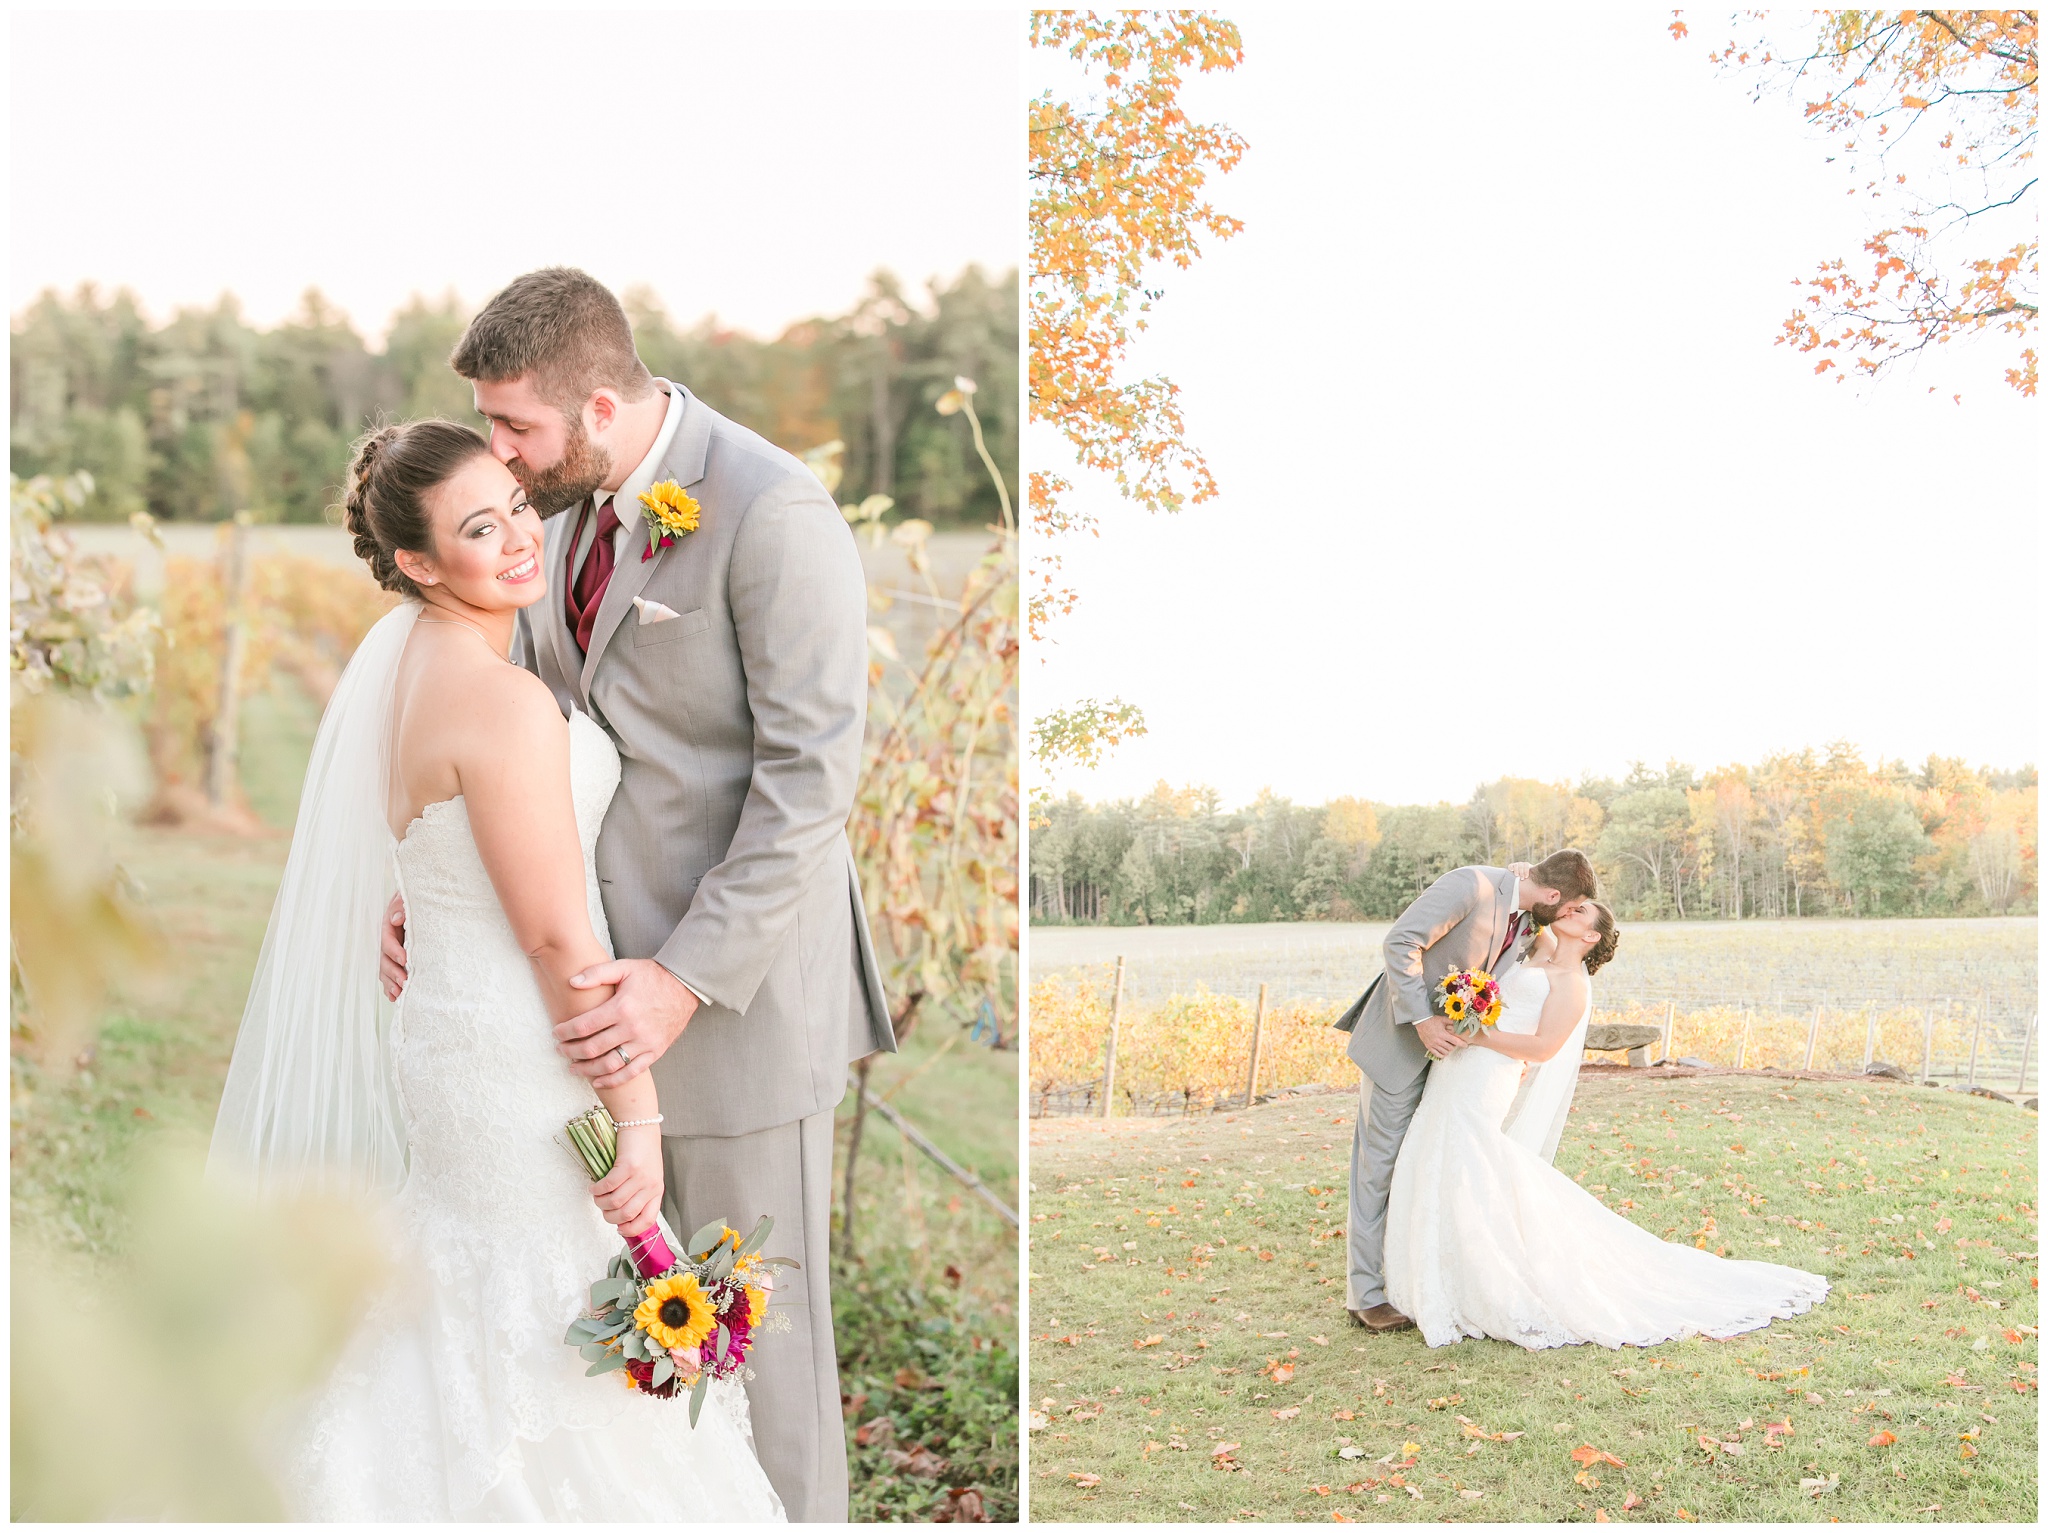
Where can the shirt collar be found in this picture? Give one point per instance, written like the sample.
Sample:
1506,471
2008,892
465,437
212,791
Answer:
626,503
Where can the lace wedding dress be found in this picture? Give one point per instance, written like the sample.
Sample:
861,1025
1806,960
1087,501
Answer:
1486,1238
457,1399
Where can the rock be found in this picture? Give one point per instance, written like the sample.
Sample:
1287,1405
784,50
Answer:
1621,1035
1695,1064
2032,1104
1890,1072
1986,1091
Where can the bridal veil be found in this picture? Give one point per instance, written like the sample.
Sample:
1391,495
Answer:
309,1100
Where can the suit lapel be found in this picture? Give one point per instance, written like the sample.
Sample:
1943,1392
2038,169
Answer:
556,626
1503,913
684,464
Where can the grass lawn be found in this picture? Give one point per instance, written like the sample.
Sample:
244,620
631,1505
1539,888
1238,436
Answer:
1187,1283
925,1316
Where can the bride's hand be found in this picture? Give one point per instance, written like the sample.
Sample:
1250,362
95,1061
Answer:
630,1196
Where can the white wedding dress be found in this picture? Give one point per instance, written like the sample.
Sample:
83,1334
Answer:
458,1399
1487,1238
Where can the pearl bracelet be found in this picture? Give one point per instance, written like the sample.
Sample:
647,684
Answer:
638,1122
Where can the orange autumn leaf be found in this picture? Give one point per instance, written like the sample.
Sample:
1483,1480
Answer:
1589,1455
1883,1440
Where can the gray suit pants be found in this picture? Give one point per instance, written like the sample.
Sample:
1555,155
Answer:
1375,1141
784,1172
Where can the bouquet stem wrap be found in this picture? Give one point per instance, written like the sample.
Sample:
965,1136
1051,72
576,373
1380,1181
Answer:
595,1138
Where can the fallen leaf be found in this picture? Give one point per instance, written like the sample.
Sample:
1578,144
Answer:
963,1504
1590,1481
1631,1501
1284,1374
1086,1481
1149,1341
1223,1450
879,1433
1321,1341
1814,1399
1589,1455
1343,1415
1600,1514
1319,1490
1350,1452
1820,1487
1409,1450
918,1460
1685,1516
1287,1414
1471,1495
1883,1440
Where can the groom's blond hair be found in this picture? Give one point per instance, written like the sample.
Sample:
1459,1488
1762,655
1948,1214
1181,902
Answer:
565,328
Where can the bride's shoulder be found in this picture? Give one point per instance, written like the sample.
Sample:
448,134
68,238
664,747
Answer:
486,705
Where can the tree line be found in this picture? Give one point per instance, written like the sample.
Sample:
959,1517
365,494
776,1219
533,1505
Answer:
1811,833
204,415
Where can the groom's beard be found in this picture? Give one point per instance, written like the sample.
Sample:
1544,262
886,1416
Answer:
1544,913
580,471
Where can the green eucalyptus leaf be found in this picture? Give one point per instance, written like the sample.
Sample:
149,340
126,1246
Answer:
664,1370
697,1396
701,1241
612,1364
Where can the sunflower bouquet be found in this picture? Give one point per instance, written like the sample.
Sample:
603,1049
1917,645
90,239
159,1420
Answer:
672,1324
1470,998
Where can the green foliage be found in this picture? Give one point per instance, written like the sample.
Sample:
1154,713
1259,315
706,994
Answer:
1807,834
943,1372
205,415
1080,734
1178,1267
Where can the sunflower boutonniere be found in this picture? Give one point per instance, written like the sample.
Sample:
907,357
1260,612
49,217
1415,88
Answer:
669,512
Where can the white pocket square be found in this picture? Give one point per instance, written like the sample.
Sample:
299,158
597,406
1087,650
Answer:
654,611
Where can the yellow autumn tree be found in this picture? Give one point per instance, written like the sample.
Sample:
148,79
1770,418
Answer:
1117,188
1936,115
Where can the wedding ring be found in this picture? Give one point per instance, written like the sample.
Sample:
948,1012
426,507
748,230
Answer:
624,1057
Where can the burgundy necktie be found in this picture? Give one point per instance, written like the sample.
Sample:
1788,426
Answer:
1514,931
586,593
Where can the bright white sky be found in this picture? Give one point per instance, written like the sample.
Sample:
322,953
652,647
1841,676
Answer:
1514,481
757,166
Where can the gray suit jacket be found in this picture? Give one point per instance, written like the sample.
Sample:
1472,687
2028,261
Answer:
739,723
1458,922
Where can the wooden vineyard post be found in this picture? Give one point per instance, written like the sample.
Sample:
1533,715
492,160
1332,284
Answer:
2026,1048
1869,1038
223,737
1976,1034
1742,1048
1251,1085
1927,1046
1116,1007
1670,1011
1812,1036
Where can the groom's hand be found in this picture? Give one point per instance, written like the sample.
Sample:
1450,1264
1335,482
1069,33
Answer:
1437,1035
647,1012
391,961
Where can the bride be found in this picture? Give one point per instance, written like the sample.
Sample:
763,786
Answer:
446,769
1486,1238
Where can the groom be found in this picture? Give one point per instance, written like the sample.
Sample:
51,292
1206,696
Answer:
729,665
1471,918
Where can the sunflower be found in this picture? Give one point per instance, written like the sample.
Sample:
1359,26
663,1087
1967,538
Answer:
676,1312
1454,1008
757,1304
669,511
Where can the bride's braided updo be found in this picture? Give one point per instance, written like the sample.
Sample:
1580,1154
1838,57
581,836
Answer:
389,478
1602,952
